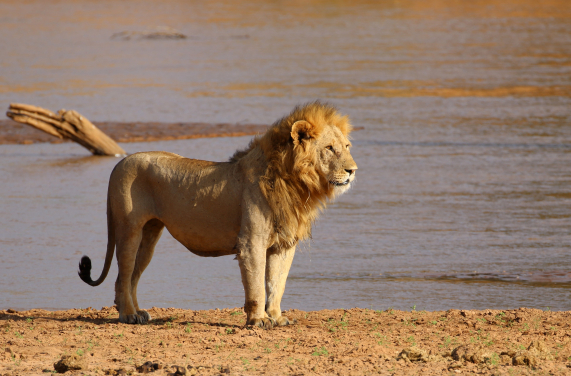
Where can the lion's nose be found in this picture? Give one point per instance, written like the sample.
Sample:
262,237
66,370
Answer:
350,171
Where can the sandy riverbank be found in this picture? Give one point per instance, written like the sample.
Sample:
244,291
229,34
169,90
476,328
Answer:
344,342
12,132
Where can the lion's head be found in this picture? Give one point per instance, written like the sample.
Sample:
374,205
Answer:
308,162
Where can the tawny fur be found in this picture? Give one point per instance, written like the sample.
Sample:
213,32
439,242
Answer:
257,206
295,190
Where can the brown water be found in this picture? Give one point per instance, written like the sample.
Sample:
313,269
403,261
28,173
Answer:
463,198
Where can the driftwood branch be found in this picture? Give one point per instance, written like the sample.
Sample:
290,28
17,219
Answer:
66,124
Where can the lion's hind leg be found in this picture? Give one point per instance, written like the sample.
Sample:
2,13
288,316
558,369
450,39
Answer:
151,234
278,264
128,243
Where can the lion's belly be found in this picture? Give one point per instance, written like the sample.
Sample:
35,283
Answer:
205,234
201,210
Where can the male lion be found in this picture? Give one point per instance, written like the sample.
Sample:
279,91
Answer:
257,206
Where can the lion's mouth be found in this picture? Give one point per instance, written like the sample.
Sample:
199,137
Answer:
339,184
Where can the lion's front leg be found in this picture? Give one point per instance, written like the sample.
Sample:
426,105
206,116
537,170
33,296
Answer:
278,264
252,262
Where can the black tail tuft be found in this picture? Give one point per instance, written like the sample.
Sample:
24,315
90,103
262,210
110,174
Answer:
85,270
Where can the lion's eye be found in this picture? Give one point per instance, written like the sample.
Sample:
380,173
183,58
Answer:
329,148
347,146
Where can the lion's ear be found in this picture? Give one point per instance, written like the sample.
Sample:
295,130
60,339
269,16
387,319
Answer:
301,130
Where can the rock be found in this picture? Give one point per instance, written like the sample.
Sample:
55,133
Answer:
116,372
536,351
509,353
540,350
146,367
225,369
178,371
70,363
525,358
414,354
469,353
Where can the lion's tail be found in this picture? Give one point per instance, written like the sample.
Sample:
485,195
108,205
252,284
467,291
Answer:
85,263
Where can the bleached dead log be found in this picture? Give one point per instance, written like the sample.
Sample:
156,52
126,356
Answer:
66,124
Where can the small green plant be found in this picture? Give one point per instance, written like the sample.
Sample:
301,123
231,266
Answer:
433,322
413,308
188,328
494,359
447,342
89,346
80,352
320,352
487,341
168,324
16,361
382,340
500,316
547,309
236,313
229,330
411,340
18,334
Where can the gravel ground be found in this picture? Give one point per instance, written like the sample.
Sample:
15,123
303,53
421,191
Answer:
329,342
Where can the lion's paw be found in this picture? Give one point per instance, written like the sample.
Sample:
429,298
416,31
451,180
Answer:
283,321
265,323
146,316
141,317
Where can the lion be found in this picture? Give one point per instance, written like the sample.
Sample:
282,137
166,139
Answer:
257,206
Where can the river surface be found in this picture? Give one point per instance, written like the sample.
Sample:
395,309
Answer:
463,194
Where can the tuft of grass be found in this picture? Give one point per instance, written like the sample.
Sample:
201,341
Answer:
320,352
188,328
494,359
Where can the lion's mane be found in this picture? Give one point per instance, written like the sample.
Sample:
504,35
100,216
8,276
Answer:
292,185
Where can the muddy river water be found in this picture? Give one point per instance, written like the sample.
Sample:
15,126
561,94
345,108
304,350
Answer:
463,194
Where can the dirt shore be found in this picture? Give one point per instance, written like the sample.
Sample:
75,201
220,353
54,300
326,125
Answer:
12,132
329,342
